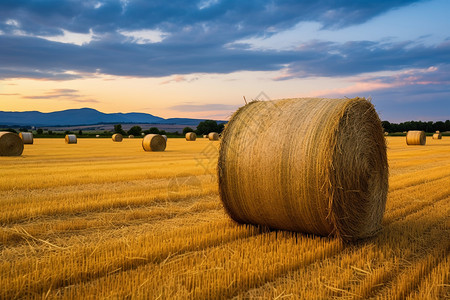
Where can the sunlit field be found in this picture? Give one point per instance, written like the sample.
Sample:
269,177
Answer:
100,219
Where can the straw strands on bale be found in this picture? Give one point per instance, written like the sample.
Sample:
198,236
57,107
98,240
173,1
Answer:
437,135
416,137
10,144
154,142
191,136
164,136
308,165
213,136
117,137
27,137
71,139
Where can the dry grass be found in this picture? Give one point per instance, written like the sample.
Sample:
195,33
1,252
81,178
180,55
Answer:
82,229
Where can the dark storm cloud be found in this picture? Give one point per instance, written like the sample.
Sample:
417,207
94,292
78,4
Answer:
196,39
253,15
46,59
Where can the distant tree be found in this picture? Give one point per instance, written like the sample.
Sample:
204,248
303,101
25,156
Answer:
50,132
153,130
118,129
135,130
23,129
80,132
207,126
386,126
162,132
39,131
187,129
11,130
67,132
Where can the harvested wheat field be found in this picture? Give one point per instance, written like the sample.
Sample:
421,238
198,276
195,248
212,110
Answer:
108,220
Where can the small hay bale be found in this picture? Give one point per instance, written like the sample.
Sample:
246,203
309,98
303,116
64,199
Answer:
164,136
307,165
71,139
27,137
386,133
154,142
97,135
117,137
205,136
191,136
437,136
10,144
131,136
142,133
213,136
416,137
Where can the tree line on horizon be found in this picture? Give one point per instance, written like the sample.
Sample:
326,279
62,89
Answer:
208,126
416,125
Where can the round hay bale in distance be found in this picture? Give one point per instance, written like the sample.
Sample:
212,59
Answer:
437,136
117,137
131,136
205,136
27,137
71,139
191,136
164,136
307,165
97,135
416,137
154,142
213,136
10,144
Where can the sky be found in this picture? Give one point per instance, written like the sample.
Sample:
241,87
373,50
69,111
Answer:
199,59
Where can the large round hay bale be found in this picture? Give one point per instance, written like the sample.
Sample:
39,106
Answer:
191,136
10,144
71,139
213,136
154,142
308,165
117,137
27,137
416,137
437,135
164,136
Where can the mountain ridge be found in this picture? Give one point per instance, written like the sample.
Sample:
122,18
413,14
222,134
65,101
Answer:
85,116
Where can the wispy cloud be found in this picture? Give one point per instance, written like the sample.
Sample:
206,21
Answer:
203,107
64,95
179,78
